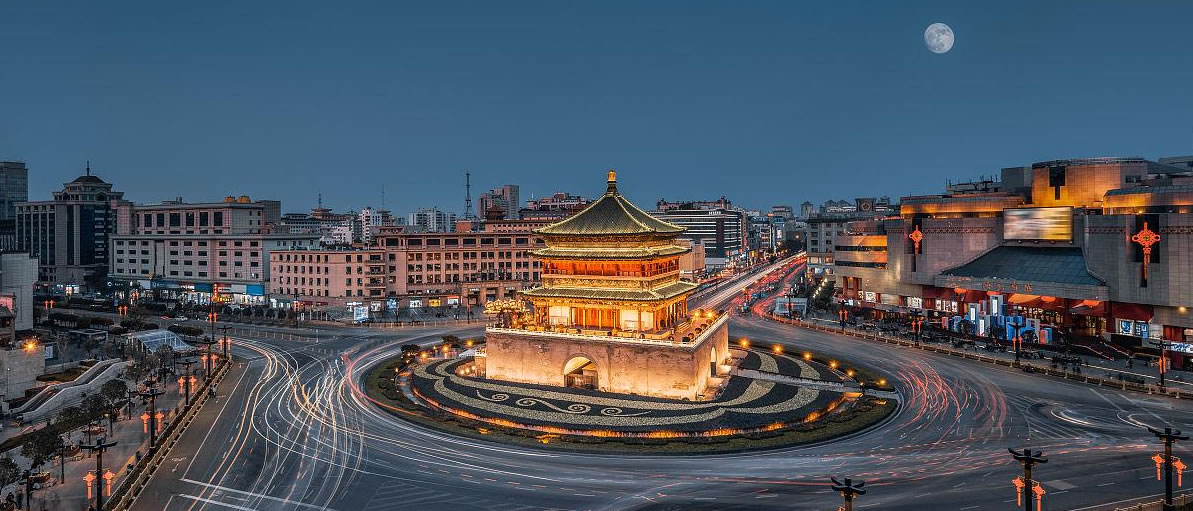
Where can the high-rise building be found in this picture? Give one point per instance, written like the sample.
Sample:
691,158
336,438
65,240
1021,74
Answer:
69,234
432,220
504,198
14,188
371,220
722,229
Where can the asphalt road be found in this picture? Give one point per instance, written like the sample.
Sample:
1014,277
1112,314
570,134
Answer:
290,432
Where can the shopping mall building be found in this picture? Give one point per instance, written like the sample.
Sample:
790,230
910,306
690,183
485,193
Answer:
1099,247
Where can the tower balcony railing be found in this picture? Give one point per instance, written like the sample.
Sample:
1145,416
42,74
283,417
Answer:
692,331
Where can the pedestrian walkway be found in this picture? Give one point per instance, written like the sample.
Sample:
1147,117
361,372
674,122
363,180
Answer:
64,488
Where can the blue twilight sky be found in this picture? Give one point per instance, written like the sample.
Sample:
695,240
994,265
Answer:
763,102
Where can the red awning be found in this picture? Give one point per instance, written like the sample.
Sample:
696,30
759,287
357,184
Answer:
1085,309
1131,311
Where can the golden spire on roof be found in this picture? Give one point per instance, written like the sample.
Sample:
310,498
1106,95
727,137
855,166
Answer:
612,182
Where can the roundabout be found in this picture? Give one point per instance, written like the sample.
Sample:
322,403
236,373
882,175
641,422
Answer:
770,401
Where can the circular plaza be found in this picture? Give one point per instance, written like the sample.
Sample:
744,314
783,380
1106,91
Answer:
764,399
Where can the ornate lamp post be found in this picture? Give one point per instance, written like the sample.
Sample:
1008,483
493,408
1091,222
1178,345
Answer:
150,415
185,381
99,448
1169,436
848,490
1028,458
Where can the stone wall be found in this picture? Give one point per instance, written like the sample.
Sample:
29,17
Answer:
670,371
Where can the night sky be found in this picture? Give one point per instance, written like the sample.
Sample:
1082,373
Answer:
763,102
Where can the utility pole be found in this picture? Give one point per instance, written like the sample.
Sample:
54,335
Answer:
848,490
99,448
1028,458
1169,436
150,415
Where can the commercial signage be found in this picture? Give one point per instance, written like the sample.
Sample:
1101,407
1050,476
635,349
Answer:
1049,224
915,302
870,296
391,304
1183,347
360,313
1136,328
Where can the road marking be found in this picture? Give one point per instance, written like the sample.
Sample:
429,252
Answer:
248,493
969,507
1105,484
216,502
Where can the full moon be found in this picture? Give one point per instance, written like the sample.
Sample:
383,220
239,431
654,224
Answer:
939,38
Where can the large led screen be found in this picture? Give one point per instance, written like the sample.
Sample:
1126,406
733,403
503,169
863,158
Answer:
1050,224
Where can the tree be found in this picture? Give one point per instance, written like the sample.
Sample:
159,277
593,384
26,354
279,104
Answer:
71,418
114,391
9,472
95,406
40,446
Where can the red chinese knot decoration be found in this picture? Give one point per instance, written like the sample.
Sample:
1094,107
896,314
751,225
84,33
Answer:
1146,238
916,237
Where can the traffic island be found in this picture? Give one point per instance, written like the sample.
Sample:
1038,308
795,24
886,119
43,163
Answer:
748,413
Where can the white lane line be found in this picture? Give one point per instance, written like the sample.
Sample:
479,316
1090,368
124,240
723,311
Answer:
216,502
250,494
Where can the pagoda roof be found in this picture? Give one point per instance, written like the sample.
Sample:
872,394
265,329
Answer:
609,253
611,214
632,295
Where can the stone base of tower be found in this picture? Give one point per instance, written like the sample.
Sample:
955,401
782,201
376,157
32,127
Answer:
658,368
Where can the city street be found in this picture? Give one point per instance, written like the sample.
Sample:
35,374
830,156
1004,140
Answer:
294,434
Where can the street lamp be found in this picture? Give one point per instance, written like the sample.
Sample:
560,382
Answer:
99,448
225,342
1169,436
150,416
185,381
1163,345
848,490
207,359
1028,458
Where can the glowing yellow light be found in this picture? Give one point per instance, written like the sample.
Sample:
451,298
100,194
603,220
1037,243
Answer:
882,381
744,343
849,373
832,364
777,349
807,356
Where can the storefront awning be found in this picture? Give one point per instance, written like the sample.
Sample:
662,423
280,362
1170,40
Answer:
1131,311
1020,298
1088,309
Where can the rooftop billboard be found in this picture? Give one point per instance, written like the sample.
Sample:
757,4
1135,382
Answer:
1048,224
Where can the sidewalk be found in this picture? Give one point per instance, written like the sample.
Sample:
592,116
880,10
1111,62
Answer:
131,440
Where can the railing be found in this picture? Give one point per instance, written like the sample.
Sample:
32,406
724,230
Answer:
707,330
1077,376
136,479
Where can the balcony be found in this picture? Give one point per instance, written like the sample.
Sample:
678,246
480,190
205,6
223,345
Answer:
689,333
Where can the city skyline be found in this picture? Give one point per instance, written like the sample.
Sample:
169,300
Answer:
414,97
